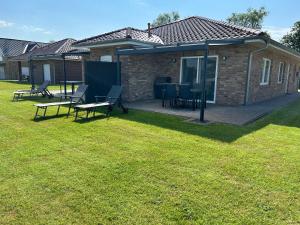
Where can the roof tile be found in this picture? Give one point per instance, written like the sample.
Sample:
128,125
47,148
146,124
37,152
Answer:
196,29
55,48
121,34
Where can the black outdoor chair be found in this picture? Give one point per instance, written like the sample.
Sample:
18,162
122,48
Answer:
169,93
109,101
76,98
185,96
42,89
197,95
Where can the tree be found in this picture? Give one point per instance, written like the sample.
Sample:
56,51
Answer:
165,18
292,39
253,18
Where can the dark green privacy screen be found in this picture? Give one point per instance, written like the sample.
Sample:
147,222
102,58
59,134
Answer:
100,76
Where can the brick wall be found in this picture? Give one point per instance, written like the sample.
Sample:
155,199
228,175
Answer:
97,52
232,72
140,71
273,89
11,70
38,71
73,70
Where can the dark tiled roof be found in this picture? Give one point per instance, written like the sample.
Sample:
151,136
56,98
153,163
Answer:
124,34
13,47
196,29
53,49
190,30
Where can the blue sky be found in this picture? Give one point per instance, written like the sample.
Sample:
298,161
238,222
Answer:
45,20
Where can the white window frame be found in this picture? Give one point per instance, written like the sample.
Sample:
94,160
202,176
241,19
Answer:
280,75
106,58
265,73
198,64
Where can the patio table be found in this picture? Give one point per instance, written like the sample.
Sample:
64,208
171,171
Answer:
72,83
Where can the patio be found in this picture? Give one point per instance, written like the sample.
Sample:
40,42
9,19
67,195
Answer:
237,115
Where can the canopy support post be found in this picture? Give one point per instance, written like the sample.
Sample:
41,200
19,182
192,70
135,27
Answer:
65,74
31,73
203,83
118,70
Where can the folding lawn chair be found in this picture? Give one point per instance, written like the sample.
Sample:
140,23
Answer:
42,89
113,98
76,98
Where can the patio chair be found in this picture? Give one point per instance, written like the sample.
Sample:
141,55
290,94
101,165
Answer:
109,101
197,94
169,93
76,98
42,89
185,96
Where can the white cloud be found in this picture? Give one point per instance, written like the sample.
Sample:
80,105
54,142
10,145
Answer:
31,28
4,23
276,32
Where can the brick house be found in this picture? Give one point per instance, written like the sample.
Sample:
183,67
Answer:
244,66
46,63
9,48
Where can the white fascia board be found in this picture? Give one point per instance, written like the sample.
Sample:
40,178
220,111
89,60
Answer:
272,46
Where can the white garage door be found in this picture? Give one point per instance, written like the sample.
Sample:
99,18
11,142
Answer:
2,75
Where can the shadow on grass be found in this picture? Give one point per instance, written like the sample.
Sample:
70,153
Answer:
37,99
41,118
287,116
83,120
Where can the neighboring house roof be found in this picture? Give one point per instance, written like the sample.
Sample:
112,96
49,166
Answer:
125,34
196,29
13,47
52,49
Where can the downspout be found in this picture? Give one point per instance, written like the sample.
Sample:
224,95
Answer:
248,77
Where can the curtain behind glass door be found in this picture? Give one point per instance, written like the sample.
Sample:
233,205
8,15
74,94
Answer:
189,70
210,77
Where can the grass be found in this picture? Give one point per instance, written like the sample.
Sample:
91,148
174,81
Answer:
146,168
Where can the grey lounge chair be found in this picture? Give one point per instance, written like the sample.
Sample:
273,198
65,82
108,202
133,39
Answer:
113,98
76,98
42,89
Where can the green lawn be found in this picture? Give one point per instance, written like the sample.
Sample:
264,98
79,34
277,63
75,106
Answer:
146,168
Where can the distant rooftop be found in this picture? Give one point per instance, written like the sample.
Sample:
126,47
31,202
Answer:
13,47
53,49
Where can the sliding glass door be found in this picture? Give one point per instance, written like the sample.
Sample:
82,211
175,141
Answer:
192,70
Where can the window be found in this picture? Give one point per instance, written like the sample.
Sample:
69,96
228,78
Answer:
191,71
25,71
281,70
1,58
106,58
265,72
